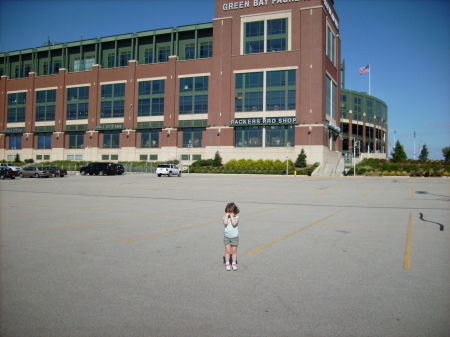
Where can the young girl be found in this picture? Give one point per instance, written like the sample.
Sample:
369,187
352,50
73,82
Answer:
231,234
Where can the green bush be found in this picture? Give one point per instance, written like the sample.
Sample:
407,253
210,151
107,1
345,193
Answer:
203,162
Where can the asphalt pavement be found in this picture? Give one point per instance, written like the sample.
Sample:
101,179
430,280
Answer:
138,255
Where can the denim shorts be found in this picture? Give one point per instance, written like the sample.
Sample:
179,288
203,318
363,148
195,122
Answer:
231,241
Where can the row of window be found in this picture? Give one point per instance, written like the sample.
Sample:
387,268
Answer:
356,104
248,136
278,88
262,36
146,50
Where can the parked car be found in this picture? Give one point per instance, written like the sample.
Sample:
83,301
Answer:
10,166
8,173
56,171
36,172
100,169
119,169
168,170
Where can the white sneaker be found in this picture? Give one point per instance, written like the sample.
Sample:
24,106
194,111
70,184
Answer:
234,266
228,267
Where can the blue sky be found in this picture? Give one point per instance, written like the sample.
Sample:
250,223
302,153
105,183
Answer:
406,43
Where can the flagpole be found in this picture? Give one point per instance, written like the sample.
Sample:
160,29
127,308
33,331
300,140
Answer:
370,70
414,145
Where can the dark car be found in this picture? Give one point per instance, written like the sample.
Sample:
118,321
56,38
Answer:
119,169
8,173
100,169
56,171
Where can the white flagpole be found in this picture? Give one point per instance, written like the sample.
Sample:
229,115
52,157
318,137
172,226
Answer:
370,70
414,145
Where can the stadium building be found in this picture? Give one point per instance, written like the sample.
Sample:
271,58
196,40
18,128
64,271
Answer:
261,81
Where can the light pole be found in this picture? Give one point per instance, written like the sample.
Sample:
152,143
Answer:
354,142
189,157
287,158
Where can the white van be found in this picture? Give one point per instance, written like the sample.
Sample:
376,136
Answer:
10,166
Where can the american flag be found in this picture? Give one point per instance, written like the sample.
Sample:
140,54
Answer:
364,70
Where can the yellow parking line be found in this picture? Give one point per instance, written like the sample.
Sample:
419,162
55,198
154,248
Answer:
293,233
168,232
328,191
121,219
407,258
412,193
369,191
190,227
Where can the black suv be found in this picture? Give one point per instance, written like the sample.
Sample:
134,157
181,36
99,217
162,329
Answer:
99,168
119,169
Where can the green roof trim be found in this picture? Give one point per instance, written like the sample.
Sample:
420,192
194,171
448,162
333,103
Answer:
150,125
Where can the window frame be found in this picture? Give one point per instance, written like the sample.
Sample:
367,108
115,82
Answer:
193,94
77,102
45,105
17,102
112,101
152,98
331,44
253,92
246,21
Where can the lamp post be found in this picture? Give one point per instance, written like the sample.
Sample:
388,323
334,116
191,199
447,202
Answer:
354,154
287,158
189,157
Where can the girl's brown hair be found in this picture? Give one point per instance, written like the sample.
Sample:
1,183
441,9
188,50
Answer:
231,208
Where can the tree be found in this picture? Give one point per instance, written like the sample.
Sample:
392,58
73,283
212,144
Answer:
217,159
301,159
446,153
423,156
398,153
17,158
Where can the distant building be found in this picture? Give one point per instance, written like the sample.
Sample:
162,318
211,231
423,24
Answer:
261,81
364,120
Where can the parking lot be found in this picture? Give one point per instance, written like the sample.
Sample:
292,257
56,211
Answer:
138,255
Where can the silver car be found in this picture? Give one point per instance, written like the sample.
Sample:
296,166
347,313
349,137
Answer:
36,172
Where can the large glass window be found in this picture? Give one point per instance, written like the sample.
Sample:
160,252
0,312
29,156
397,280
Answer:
77,103
113,100
16,107
249,91
148,55
192,137
254,37
163,53
111,139
369,108
45,140
76,140
357,104
15,141
265,36
279,89
83,65
331,45
279,135
124,57
150,138
205,50
194,95
331,94
151,98
248,136
45,105
276,35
